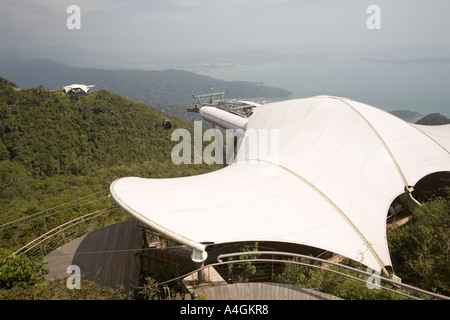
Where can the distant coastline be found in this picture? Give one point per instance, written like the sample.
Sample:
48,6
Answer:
386,85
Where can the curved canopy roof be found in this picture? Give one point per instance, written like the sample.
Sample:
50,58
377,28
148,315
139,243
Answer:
339,165
82,87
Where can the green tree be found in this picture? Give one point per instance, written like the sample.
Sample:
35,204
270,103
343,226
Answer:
246,270
57,290
20,271
150,291
420,250
295,274
330,282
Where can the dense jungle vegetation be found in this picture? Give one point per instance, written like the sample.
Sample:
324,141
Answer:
55,148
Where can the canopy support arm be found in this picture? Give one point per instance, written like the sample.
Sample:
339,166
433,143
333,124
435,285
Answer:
408,200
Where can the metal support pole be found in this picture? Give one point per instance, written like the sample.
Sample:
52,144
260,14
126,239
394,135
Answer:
201,273
199,258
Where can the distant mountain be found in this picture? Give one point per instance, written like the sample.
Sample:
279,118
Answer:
150,87
407,115
59,53
434,119
77,57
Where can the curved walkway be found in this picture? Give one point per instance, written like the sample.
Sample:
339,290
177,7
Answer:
261,291
105,256
214,287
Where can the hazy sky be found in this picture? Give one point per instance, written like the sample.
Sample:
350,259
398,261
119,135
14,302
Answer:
153,26
403,65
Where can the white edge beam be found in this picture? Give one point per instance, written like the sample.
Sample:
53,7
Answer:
223,119
171,235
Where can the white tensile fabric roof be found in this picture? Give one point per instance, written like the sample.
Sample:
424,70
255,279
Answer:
341,164
83,87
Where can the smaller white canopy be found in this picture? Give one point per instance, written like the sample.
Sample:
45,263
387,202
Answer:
82,87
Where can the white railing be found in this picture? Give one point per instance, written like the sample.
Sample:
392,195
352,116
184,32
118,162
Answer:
61,228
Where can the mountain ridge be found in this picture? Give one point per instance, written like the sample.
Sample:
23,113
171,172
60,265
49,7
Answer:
434,119
145,86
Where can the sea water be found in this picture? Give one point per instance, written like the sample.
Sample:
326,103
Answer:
389,85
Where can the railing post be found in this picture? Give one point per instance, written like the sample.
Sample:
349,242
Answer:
199,257
201,273
230,270
271,276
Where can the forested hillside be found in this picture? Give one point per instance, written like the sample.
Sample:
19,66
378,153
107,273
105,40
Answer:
55,148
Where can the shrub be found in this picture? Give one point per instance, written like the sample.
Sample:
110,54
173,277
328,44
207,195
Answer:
20,271
420,250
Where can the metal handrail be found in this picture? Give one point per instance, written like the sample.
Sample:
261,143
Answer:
295,255
58,229
229,255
